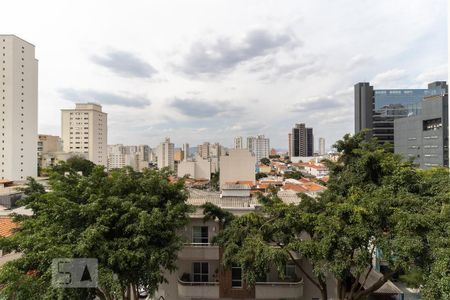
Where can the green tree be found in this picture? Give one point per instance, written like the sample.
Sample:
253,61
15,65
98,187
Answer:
293,175
374,201
265,161
260,175
215,181
74,164
125,219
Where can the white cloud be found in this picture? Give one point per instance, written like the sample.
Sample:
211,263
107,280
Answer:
274,55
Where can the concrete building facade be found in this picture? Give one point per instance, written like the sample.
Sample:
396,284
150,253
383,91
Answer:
84,129
376,110
199,169
302,141
239,165
238,142
321,146
165,155
424,138
18,109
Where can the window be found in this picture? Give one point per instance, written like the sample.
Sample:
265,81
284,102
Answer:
289,271
236,277
200,271
200,235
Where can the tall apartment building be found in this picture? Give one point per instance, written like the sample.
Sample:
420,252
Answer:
84,129
185,149
377,109
424,138
302,141
165,155
290,144
178,155
203,150
238,142
18,108
321,146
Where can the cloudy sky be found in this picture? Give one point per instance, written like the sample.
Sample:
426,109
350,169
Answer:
211,70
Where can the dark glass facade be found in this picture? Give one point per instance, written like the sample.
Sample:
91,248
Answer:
377,109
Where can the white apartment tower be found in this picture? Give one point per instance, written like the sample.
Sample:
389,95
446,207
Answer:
321,146
238,142
85,130
164,154
259,146
262,147
18,108
185,149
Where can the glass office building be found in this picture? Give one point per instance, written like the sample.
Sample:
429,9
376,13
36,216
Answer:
377,109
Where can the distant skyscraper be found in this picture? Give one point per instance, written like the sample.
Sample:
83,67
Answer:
290,144
19,100
251,144
377,109
321,146
203,150
178,155
302,141
165,155
238,142
262,147
185,149
85,130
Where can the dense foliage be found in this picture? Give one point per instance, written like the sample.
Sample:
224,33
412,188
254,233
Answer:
375,204
125,219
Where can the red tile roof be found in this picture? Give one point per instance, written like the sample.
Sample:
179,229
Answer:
7,226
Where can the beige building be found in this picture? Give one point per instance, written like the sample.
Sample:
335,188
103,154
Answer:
136,157
164,155
85,130
18,108
239,165
198,169
178,155
49,143
199,275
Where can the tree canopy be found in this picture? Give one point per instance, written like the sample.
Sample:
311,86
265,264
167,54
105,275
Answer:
376,205
125,219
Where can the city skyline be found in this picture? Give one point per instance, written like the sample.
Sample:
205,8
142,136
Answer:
249,74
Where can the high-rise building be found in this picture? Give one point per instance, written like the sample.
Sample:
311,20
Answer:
85,130
203,150
261,147
290,151
302,141
238,142
321,146
19,109
178,155
164,155
251,144
185,149
423,138
215,150
377,109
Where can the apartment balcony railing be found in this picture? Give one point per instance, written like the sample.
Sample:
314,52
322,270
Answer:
199,251
202,290
273,290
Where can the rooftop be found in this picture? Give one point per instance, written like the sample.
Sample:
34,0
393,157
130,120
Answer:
7,226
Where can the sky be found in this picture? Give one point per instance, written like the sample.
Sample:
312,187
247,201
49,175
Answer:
212,70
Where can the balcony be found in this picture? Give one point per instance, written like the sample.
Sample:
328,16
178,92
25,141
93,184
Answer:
273,290
201,290
199,251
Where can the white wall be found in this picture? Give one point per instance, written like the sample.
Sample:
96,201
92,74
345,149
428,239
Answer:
19,100
239,165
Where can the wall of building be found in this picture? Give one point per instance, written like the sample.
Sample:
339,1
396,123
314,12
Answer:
239,165
19,99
